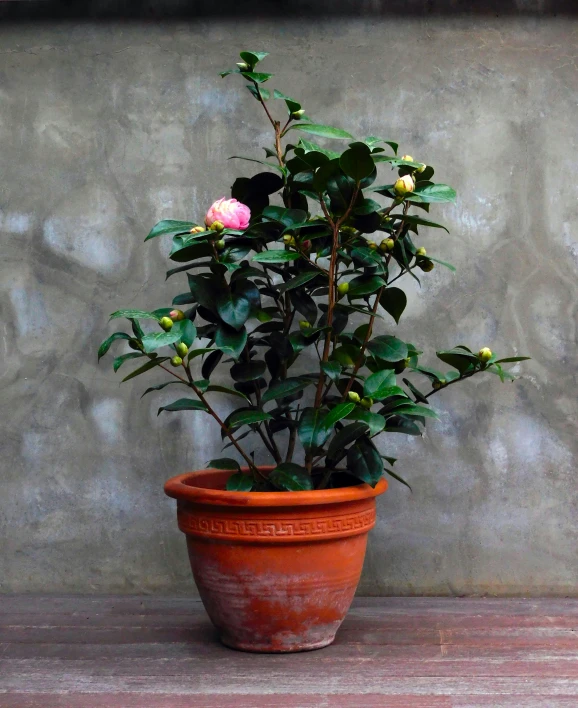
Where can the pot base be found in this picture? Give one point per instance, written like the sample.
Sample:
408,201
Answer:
267,649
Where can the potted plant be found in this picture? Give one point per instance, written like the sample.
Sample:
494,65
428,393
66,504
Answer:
286,295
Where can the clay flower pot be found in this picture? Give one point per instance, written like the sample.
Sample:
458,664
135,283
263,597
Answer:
276,571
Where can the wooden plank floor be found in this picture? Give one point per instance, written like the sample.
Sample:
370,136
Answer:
153,652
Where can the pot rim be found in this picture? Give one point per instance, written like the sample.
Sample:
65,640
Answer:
182,488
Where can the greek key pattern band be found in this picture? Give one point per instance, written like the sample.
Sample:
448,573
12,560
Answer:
247,529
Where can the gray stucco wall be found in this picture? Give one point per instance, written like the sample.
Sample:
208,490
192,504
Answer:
107,128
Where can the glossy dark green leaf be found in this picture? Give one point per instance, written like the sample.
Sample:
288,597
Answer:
357,162
447,265
154,340
230,341
435,193
411,409
388,348
203,290
233,309
135,315
346,436
191,253
119,361
419,396
460,361
287,217
364,462
146,367
276,256
210,363
393,301
323,131
312,432
256,76
418,221
375,422
261,162
395,476
298,281
239,482
159,387
340,411
184,404
170,226
510,359
378,383
247,417
332,369
253,58
364,285
291,477
248,371
105,346
287,387
223,463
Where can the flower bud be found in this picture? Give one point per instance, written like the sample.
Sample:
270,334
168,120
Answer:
217,226
426,266
176,361
367,402
372,246
243,65
485,354
407,158
404,185
304,324
297,114
182,349
343,288
354,397
177,315
220,244
166,323
422,168
387,244
421,251
288,240
306,245
438,384
197,229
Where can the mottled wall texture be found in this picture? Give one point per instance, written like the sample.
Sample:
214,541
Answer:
106,128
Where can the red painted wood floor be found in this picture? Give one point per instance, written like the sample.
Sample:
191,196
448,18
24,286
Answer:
151,652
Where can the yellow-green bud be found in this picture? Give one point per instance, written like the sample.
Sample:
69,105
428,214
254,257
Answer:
407,158
485,354
243,65
421,251
217,226
176,361
304,324
288,240
177,315
426,266
182,349
404,185
438,384
372,246
220,244
343,288
166,323
367,402
387,244
422,168
297,114
197,229
355,397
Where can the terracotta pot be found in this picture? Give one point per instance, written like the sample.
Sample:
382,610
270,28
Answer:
276,571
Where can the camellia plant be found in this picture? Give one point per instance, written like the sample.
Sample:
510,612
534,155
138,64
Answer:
268,282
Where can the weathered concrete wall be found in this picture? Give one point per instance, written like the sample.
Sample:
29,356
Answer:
105,129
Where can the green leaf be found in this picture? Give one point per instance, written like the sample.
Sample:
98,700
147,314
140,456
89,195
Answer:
261,162
388,348
287,217
323,131
159,387
391,473
253,58
412,409
257,77
364,462
378,383
276,256
184,404
364,285
340,411
418,221
393,301
248,371
459,359
332,369
312,432
105,346
357,162
375,421
239,418
434,193
224,463
119,361
225,389
230,341
135,315
298,281
239,482
291,477
146,367
444,263
292,104
170,226
199,352
203,290
160,339
512,359
233,309
187,331
419,396
288,387
345,436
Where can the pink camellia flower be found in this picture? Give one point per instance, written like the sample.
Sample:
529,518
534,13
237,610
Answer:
231,213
